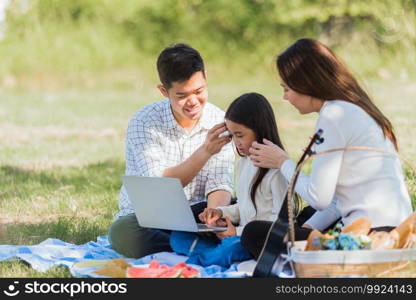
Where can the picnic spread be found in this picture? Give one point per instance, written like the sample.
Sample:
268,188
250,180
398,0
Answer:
83,260
353,251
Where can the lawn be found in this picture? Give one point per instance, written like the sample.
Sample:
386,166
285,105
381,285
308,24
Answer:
62,153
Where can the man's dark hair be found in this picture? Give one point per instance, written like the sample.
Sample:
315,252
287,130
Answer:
178,62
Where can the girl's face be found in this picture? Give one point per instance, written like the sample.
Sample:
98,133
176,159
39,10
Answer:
303,103
242,136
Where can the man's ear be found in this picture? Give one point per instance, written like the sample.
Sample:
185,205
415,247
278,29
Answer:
163,90
206,74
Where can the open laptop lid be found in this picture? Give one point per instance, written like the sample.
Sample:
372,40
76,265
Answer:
160,202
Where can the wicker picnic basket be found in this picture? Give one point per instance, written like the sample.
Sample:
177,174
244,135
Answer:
342,263
356,263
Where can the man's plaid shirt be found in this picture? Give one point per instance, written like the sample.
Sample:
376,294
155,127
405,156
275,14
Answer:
155,142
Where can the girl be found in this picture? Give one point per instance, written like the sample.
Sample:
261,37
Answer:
260,191
365,183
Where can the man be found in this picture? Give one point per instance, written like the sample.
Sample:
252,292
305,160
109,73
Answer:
179,137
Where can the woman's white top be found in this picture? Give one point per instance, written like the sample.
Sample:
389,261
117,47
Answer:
270,195
364,183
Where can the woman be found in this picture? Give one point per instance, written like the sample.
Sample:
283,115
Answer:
365,183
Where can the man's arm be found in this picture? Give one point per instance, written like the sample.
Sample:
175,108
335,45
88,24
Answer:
218,198
144,155
188,169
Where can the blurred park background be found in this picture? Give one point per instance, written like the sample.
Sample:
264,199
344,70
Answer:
72,73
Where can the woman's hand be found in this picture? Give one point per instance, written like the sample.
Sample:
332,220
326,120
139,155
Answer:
267,155
231,231
210,216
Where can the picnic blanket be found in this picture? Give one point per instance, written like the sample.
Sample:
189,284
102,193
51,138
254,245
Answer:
83,260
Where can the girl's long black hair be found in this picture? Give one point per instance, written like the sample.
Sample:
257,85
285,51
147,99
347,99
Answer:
253,111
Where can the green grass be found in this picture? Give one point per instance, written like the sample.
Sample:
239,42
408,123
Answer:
62,152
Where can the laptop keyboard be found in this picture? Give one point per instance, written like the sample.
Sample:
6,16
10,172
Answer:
205,227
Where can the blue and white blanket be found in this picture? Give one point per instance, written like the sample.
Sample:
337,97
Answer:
80,258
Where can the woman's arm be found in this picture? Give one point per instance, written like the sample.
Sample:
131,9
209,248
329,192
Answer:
324,218
319,188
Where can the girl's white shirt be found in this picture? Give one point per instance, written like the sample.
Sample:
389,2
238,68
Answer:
269,195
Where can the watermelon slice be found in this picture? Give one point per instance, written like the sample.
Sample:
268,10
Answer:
170,273
154,264
139,272
155,270
190,273
187,271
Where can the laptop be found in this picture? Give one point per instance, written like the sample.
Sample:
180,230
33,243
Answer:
160,202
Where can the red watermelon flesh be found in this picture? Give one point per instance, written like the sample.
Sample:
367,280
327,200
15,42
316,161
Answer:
190,273
170,273
187,271
154,264
155,270
137,272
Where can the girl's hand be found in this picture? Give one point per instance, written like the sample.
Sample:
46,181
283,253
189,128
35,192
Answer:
267,155
231,231
210,216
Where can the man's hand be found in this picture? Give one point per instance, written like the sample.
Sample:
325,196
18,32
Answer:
213,142
188,169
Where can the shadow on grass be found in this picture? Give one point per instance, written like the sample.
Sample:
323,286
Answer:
94,180
18,182
74,230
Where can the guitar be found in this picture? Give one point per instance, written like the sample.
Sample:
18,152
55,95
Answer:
275,240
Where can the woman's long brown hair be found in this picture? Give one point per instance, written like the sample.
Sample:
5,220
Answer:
310,68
